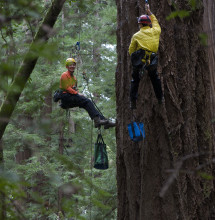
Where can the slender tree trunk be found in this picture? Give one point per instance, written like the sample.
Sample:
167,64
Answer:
27,66
2,206
2,195
162,177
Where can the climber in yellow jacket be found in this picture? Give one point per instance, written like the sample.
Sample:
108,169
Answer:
143,48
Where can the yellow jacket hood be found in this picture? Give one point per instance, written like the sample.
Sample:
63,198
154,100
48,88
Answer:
146,38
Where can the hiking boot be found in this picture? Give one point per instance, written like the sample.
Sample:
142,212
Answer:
133,104
98,122
110,124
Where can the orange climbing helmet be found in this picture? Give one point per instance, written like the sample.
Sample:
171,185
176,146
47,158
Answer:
69,61
144,19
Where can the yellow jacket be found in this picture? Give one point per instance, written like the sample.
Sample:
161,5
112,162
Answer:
147,38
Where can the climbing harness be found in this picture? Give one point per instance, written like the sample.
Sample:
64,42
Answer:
147,56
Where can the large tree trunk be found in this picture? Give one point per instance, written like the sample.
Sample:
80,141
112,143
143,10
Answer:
179,134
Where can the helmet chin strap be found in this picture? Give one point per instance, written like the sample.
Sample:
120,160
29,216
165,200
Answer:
71,72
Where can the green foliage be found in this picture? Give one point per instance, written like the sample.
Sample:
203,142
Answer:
10,191
183,13
195,4
46,184
179,13
206,176
192,6
203,39
45,50
192,3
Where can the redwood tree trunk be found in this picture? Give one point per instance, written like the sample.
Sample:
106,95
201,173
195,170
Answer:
179,135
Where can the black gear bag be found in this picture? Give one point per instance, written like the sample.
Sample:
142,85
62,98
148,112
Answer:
100,154
57,95
136,58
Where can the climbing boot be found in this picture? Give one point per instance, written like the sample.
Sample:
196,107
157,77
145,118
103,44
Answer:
110,124
133,104
98,122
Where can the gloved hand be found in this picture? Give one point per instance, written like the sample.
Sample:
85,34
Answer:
147,8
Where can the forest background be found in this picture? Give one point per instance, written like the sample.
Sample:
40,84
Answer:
47,155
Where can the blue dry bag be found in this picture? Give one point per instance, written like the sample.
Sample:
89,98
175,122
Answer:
136,131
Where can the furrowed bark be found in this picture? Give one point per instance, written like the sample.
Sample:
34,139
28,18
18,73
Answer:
163,176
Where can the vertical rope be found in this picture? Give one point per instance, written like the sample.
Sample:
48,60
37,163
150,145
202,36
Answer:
68,131
78,47
133,116
91,168
85,77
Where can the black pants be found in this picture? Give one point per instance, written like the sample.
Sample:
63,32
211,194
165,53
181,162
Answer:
155,80
74,100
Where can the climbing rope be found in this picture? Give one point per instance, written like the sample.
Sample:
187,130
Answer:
78,48
87,84
78,57
68,134
91,168
133,116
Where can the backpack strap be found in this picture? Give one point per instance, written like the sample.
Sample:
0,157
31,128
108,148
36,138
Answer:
100,139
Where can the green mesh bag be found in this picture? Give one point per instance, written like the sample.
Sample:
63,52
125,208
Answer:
100,154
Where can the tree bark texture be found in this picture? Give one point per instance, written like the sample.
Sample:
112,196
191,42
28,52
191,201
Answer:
209,28
162,177
28,65
2,195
